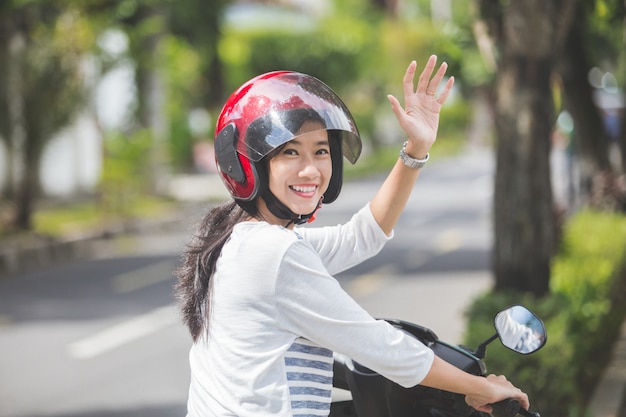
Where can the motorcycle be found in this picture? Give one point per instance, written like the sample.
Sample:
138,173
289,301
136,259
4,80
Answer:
375,396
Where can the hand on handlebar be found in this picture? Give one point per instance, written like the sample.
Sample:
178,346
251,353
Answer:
499,389
511,408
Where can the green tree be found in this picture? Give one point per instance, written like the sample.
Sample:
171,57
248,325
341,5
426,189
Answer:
157,30
199,23
531,42
526,36
145,23
196,30
42,89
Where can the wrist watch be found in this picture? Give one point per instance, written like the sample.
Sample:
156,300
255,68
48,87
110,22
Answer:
410,161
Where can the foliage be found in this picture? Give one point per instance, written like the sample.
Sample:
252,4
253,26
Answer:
589,273
606,35
125,171
381,161
582,315
356,52
182,68
546,375
54,83
76,219
329,52
454,119
44,87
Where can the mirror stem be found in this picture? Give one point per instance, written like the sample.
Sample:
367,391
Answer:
482,348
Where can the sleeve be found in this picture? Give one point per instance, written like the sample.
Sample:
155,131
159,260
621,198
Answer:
312,304
344,246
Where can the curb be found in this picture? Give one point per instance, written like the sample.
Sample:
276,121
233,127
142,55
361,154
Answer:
44,252
40,254
609,397
192,191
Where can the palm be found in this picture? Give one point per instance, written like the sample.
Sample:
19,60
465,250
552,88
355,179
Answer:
420,117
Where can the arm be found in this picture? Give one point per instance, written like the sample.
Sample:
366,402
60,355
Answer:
311,303
419,120
343,246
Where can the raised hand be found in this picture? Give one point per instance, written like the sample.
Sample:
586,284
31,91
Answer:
420,116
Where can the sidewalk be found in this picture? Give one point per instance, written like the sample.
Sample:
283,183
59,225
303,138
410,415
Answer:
609,398
33,252
27,253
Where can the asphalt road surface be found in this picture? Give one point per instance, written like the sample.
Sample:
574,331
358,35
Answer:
102,338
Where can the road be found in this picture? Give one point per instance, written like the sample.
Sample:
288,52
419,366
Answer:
102,338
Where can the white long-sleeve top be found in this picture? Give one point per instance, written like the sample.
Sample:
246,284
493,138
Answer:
277,314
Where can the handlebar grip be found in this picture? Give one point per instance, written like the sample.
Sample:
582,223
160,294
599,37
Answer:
506,408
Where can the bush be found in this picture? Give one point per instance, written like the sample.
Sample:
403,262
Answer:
126,171
582,314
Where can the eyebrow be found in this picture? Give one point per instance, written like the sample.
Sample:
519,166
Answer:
320,142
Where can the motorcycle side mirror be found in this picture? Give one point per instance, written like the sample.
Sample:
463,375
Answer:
520,330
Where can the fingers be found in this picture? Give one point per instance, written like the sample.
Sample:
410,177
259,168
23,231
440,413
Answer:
426,84
436,80
407,81
424,78
511,390
446,91
395,106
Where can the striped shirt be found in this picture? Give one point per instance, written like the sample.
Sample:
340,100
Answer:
310,378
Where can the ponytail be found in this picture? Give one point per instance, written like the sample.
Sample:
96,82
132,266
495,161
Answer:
193,288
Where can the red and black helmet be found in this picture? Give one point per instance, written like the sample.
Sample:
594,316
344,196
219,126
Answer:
263,114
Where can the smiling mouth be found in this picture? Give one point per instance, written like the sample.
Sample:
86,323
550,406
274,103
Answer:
303,189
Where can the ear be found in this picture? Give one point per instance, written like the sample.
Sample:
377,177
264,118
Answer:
226,152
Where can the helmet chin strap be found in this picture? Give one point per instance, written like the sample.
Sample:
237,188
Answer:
278,209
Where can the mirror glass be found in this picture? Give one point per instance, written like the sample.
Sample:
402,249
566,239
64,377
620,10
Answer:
520,330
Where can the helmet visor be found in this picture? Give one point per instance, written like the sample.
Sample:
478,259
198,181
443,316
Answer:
287,101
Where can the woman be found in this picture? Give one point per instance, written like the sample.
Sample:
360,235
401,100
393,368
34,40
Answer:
257,290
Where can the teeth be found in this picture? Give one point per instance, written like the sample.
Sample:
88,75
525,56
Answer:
308,189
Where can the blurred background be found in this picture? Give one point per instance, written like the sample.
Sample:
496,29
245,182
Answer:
107,114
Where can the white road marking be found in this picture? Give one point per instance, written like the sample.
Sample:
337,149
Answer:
368,283
123,333
448,241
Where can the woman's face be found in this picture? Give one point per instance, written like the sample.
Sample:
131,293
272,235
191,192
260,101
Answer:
300,172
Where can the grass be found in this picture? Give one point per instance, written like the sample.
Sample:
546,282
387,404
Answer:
67,220
78,218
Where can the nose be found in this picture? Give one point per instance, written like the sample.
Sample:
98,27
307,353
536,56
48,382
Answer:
309,168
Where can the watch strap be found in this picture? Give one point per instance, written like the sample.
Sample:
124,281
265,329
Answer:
411,162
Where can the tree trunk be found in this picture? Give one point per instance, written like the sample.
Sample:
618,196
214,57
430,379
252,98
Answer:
5,118
524,220
590,138
217,93
27,191
16,118
524,223
622,140
390,7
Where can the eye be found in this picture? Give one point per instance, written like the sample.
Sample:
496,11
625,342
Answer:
323,151
290,151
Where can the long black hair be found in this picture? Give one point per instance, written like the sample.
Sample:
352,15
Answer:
193,288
